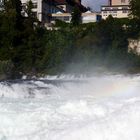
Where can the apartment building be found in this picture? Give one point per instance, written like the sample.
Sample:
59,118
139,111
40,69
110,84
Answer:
116,8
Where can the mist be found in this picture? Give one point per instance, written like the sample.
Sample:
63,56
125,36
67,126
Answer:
94,4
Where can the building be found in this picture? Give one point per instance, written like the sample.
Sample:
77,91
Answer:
66,17
45,10
119,2
116,8
87,17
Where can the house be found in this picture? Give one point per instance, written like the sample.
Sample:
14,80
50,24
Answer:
66,17
87,17
45,10
116,8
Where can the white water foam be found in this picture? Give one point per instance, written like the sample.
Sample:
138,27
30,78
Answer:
95,108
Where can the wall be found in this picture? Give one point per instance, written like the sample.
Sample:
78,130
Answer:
89,17
120,2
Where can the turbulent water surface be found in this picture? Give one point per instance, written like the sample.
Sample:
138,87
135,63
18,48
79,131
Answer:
67,108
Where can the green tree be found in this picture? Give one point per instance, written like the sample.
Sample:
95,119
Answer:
76,16
17,7
8,29
134,25
30,22
135,8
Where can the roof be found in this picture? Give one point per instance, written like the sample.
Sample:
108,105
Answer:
60,1
70,2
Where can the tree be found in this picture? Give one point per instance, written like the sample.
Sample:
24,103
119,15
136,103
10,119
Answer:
135,8
134,27
29,8
8,30
76,16
31,20
16,6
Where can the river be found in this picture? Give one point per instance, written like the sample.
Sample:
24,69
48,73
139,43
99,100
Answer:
103,107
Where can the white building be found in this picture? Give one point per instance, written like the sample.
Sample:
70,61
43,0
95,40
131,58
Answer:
87,17
66,17
116,8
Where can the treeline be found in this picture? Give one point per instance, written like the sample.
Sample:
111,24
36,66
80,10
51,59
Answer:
26,47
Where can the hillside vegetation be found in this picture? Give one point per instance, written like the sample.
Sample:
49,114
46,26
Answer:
28,48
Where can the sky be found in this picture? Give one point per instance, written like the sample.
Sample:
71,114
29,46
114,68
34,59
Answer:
94,4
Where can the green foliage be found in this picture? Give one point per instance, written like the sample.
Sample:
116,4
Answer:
135,22
76,16
135,8
27,48
61,24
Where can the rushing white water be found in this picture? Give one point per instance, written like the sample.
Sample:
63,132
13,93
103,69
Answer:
68,108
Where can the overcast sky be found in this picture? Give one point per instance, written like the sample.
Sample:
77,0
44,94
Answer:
94,4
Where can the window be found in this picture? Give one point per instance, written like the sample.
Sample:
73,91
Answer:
115,8
34,5
114,11
125,8
124,11
35,14
123,1
66,18
115,15
107,8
